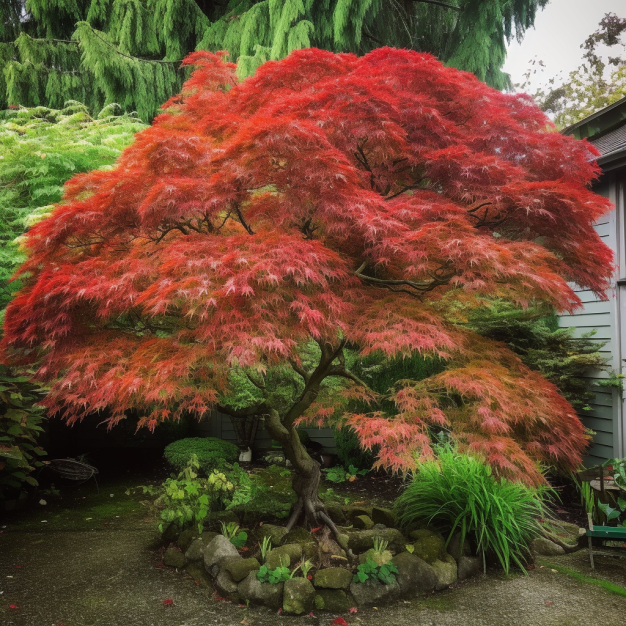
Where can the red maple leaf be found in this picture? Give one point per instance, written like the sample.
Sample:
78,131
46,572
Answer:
339,622
168,602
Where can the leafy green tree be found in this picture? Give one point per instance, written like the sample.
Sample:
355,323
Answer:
128,51
598,82
41,149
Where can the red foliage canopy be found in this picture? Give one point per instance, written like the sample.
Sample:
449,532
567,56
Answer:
329,198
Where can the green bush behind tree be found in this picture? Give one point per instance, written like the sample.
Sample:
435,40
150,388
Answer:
42,149
211,453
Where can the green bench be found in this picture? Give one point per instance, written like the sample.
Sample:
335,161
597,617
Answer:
602,534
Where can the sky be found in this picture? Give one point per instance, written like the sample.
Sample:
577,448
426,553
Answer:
559,30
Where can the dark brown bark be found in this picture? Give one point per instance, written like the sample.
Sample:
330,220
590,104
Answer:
309,510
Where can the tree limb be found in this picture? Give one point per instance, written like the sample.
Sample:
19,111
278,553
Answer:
440,4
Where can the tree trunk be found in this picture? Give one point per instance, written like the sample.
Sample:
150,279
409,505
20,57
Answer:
308,509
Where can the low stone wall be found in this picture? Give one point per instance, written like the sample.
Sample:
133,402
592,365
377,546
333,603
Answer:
422,561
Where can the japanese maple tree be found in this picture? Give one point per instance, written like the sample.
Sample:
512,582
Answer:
262,235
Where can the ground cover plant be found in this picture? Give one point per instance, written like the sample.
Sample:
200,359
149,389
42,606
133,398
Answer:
264,237
459,493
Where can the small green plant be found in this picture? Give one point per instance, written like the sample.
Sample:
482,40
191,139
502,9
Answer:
458,492
277,575
306,567
613,513
187,499
372,571
265,546
338,474
618,469
237,537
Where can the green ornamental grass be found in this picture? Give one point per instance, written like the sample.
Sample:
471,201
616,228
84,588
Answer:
459,493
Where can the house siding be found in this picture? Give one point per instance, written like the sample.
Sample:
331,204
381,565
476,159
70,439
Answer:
219,425
601,317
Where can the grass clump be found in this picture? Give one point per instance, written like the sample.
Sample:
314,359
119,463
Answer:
459,493
211,453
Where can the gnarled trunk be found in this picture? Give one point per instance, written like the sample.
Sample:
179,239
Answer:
308,509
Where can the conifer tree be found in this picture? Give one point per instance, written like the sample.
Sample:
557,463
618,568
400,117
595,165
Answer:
129,51
263,237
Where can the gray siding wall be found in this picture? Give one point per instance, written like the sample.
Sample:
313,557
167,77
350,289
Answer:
221,426
601,317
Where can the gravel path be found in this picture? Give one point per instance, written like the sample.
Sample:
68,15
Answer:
113,578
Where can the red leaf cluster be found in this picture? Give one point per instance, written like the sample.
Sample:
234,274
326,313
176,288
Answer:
327,196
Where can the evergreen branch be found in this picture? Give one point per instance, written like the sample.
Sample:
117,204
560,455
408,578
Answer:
128,56
440,4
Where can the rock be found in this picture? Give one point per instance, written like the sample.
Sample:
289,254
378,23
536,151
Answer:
363,522
545,547
196,570
468,566
284,556
351,512
239,568
333,600
186,538
372,594
428,546
298,535
446,572
455,550
383,516
253,590
298,596
173,557
415,576
336,514
333,578
380,558
217,551
343,540
362,540
275,533
225,585
195,552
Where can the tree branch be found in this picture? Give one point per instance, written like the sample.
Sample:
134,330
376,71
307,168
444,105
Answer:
438,279
440,4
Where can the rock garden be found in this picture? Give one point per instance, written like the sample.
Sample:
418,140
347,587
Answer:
222,530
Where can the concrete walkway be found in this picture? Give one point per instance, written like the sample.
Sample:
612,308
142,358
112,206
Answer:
110,577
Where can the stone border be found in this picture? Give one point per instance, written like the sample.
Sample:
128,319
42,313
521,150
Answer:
426,567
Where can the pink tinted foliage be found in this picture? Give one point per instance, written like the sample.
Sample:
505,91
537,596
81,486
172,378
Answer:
329,197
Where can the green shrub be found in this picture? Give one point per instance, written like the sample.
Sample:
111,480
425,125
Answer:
188,500
20,424
534,335
350,452
42,149
211,452
458,492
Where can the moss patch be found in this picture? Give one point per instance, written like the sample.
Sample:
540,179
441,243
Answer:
590,580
